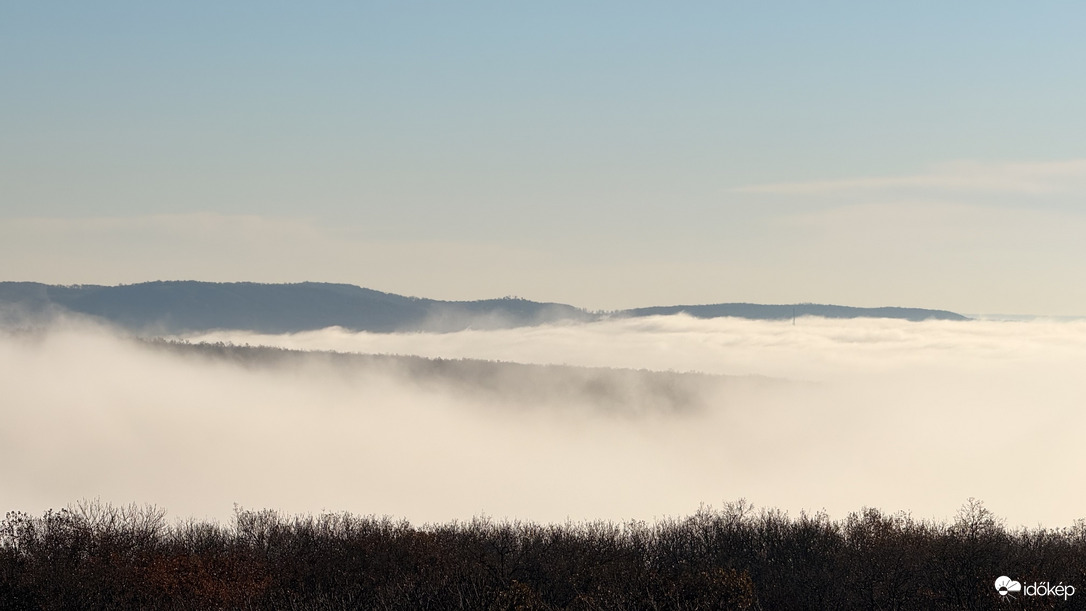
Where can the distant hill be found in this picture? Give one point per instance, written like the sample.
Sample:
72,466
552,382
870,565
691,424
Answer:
784,312
189,306
175,307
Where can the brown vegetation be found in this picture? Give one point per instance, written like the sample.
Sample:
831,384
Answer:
104,557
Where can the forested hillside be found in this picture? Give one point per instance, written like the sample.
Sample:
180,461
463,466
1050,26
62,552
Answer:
180,307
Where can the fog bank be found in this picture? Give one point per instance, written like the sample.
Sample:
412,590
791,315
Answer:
813,348
898,415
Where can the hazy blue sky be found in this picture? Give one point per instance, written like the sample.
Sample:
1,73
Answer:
608,154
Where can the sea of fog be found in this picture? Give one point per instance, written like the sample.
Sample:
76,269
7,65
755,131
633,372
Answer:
868,413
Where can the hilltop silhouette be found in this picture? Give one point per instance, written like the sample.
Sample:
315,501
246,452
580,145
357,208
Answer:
190,306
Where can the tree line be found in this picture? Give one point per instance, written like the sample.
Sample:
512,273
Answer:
99,556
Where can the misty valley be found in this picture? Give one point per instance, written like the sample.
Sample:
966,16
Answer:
496,306
598,462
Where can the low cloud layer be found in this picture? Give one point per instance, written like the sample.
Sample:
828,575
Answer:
898,415
814,349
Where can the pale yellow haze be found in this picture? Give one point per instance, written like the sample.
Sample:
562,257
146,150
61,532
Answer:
966,236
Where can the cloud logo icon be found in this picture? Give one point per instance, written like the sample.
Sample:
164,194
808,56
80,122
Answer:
1005,585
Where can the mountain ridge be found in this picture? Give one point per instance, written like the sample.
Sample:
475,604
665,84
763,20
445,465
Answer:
181,306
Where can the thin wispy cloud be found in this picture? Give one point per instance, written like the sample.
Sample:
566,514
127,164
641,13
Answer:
962,176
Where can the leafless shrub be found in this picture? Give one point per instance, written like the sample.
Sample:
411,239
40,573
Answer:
95,555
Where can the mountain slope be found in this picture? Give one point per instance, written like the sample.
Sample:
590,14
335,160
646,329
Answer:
189,306
176,307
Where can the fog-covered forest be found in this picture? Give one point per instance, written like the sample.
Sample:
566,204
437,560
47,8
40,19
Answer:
515,385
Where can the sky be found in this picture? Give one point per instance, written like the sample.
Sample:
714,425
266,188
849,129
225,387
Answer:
604,154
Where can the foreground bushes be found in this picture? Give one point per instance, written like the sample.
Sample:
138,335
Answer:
96,556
